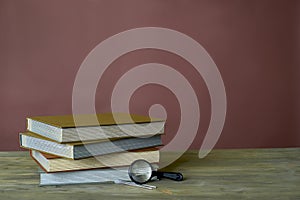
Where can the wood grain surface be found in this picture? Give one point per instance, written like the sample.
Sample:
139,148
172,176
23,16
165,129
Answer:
223,174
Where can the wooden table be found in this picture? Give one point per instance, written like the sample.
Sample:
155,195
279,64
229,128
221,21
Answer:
223,174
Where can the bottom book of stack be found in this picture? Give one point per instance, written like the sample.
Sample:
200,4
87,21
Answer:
105,168
84,176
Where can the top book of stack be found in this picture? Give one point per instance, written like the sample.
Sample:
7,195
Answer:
69,128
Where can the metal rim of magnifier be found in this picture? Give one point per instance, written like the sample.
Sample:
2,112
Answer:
130,169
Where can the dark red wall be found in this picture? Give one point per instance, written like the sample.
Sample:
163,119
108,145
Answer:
255,45
297,75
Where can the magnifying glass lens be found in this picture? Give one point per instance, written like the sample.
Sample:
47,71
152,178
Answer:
140,171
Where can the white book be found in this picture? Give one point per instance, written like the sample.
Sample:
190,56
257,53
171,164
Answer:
84,176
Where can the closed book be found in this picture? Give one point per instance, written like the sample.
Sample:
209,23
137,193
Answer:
50,163
80,150
69,128
86,176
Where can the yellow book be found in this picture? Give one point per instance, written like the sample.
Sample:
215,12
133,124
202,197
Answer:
69,128
50,163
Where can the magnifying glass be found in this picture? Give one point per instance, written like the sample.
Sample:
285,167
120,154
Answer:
141,171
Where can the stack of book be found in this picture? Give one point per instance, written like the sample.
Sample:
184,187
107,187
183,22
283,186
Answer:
90,150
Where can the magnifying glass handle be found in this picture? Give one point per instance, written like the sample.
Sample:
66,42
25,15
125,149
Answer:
176,176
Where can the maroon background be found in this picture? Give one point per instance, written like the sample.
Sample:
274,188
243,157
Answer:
255,45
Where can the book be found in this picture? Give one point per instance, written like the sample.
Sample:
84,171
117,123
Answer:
50,163
86,176
63,129
79,150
